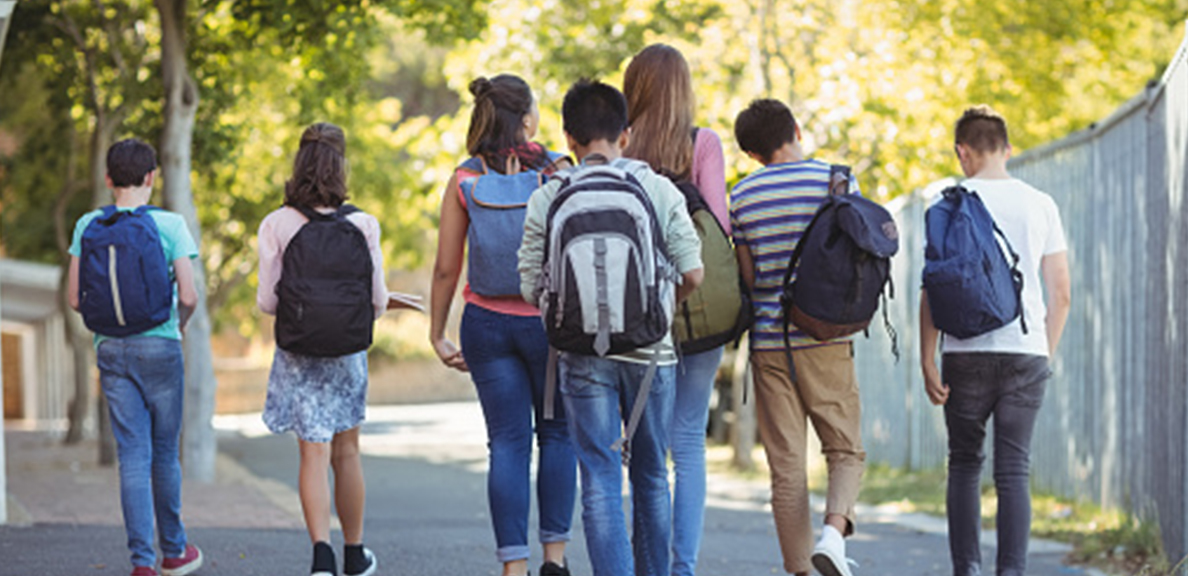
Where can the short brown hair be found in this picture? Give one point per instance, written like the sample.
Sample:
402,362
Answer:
765,126
319,171
129,162
982,129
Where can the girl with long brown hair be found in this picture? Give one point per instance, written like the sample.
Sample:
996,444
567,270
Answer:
318,393
660,108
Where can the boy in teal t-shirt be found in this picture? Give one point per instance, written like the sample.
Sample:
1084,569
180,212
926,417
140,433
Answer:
143,375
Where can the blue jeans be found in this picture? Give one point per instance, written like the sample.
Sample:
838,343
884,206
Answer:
507,356
599,394
694,384
1009,388
143,379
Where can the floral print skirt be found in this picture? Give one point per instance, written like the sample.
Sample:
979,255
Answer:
316,397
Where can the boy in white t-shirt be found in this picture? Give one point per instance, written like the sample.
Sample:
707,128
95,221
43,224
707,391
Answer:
1002,373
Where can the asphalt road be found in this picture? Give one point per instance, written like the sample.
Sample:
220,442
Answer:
427,515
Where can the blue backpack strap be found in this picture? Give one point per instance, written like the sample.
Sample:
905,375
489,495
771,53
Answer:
108,216
473,164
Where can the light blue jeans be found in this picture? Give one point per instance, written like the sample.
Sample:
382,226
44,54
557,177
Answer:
694,384
507,356
599,394
143,379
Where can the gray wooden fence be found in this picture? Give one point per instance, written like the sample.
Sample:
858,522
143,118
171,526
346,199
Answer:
1114,425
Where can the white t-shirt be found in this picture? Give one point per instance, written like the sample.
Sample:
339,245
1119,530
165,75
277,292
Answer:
1030,220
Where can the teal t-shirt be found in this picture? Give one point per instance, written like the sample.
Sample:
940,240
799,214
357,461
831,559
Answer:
177,242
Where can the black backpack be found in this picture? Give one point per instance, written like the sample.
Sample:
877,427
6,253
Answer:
324,291
842,265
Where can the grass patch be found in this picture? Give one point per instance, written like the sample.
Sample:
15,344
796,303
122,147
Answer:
1107,539
1110,540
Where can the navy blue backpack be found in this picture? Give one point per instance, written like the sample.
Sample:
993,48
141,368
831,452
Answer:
842,265
972,289
124,281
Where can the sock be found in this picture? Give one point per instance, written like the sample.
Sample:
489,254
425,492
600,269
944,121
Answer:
353,559
323,558
832,538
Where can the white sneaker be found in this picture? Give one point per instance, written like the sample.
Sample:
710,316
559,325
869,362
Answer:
830,560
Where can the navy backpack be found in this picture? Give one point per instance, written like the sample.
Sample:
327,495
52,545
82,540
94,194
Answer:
124,281
972,289
842,265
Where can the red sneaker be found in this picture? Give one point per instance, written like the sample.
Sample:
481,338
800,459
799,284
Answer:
143,571
189,562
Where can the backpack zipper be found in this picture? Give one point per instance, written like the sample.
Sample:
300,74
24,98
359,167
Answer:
115,285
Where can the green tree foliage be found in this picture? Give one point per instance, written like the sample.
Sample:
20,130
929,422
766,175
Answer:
877,84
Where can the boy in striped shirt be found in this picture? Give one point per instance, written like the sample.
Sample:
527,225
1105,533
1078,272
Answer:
769,211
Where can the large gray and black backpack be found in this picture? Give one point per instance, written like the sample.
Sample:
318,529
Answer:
607,286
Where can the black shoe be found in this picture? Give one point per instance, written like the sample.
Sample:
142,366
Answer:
323,560
553,569
361,563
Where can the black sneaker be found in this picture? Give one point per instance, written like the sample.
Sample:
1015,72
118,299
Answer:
553,569
323,560
354,566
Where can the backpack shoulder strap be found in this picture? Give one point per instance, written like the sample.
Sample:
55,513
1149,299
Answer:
346,210
474,164
309,213
109,215
839,180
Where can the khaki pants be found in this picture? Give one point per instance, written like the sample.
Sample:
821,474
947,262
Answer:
824,390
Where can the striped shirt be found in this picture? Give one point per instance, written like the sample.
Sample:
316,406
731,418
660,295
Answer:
769,210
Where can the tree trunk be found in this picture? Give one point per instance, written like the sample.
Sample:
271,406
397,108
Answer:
77,335
181,105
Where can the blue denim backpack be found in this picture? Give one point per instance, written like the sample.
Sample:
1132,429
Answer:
124,280
972,289
496,204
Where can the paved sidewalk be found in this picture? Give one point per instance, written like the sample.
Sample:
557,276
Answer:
50,483
426,513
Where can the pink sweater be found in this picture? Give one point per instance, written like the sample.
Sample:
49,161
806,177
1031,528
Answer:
709,174
279,227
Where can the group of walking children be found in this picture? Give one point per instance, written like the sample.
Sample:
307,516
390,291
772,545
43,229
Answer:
601,290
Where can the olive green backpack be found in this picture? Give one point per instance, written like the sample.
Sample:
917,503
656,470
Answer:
719,310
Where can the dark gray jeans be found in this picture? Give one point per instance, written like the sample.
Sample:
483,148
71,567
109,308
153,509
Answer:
1009,387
